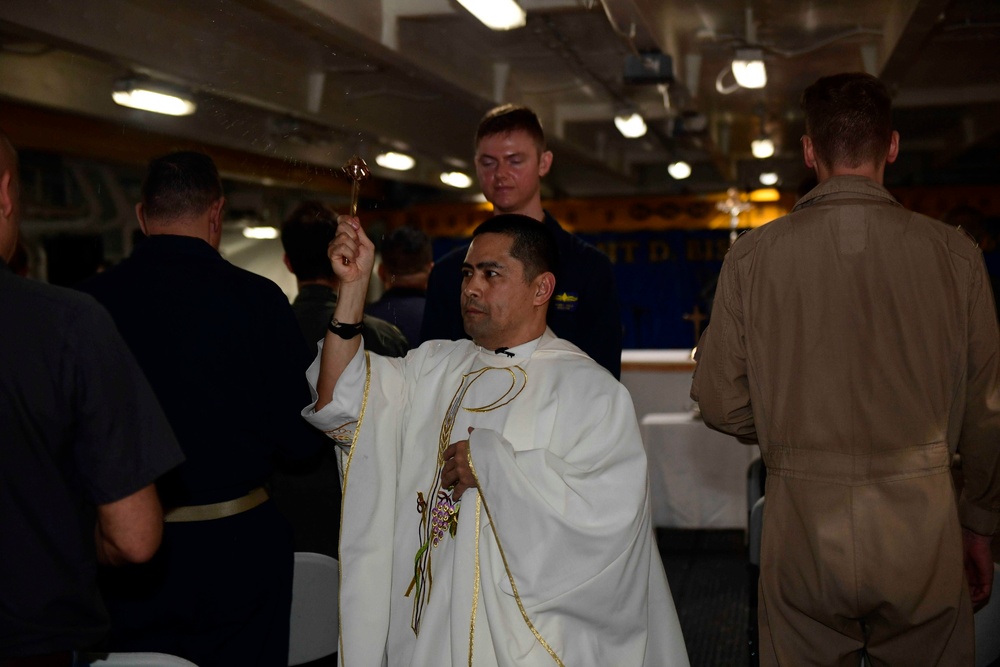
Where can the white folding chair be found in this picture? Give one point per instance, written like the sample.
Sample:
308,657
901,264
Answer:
133,660
315,622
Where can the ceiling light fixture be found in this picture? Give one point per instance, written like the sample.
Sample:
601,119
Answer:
631,127
748,68
768,178
456,179
149,96
762,148
679,170
265,232
496,14
395,161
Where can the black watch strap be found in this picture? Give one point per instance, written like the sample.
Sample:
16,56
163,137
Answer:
345,331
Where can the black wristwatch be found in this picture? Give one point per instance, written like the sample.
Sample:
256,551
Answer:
345,331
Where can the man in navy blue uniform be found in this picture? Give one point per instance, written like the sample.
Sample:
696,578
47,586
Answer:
407,260
511,159
225,356
81,443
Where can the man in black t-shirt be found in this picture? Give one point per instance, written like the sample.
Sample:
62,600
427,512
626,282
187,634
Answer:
82,440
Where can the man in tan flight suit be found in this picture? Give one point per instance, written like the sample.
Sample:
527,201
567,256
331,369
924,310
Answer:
857,343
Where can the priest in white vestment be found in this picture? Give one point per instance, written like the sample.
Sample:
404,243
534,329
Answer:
495,506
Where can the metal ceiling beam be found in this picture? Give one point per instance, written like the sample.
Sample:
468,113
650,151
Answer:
640,22
908,26
75,135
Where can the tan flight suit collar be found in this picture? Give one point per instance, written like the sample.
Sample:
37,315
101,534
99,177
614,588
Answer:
841,187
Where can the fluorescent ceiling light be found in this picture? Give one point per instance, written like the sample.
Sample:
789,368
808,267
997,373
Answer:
152,97
260,232
748,68
768,178
762,148
396,161
679,170
456,179
632,126
496,14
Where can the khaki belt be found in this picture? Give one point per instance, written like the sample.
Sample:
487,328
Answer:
858,469
217,510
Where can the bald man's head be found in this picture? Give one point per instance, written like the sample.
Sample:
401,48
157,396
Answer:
10,207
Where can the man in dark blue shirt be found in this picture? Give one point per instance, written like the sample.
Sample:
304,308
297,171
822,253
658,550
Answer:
224,354
82,439
407,260
511,160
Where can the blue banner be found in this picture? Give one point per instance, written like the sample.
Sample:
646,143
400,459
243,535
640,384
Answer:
665,280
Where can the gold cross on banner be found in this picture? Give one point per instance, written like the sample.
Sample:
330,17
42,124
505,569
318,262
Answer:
696,317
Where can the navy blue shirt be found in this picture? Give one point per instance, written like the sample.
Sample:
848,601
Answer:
404,307
79,427
584,309
224,354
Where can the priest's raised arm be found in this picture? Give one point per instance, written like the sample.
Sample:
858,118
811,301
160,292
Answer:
352,256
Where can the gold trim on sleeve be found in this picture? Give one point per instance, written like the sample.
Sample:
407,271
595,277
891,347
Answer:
347,469
342,434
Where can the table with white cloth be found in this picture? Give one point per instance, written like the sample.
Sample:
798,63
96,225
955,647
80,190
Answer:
697,476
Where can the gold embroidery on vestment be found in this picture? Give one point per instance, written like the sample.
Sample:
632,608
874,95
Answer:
506,567
342,434
513,383
423,574
475,585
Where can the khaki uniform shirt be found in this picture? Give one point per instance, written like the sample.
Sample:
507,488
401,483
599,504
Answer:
853,337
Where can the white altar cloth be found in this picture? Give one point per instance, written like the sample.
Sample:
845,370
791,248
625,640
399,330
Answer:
697,476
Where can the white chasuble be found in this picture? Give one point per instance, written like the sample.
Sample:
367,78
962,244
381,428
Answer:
552,561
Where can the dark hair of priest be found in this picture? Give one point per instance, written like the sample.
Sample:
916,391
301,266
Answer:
849,119
180,184
511,118
406,250
533,244
305,235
